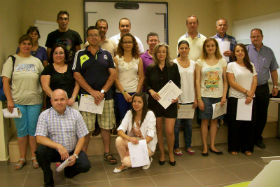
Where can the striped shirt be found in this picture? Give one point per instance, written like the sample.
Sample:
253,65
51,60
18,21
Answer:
64,129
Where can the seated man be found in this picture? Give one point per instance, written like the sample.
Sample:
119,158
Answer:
60,134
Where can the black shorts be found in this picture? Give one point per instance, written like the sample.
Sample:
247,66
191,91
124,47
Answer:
159,111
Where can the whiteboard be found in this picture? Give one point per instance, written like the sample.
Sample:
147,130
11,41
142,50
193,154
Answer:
150,17
270,25
45,27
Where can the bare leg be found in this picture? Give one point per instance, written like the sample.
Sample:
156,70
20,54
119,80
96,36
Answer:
213,132
33,145
204,133
22,144
159,125
121,145
106,139
87,138
169,131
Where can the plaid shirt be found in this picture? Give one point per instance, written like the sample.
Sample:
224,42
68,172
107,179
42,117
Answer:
64,129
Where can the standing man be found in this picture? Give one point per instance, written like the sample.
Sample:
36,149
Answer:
265,64
61,133
194,38
222,37
65,36
95,72
147,57
125,26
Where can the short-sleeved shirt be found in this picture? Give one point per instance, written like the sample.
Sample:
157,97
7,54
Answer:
187,82
70,39
212,78
64,129
107,45
63,81
26,88
116,38
228,38
264,61
40,53
242,76
94,69
195,43
146,59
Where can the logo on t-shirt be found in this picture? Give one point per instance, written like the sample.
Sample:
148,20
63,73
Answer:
212,79
83,59
25,68
105,57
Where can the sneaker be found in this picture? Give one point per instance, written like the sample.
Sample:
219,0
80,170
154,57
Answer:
190,151
148,166
178,152
119,169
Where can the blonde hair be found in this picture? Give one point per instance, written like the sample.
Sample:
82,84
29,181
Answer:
217,52
168,61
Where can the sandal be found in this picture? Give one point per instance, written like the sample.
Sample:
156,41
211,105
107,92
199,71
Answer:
35,164
120,169
178,152
108,157
20,164
190,151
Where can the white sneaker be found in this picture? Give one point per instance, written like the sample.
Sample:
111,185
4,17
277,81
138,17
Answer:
148,166
118,170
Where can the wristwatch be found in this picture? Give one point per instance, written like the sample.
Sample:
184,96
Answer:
75,155
102,91
275,86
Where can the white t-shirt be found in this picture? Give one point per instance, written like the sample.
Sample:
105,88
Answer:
187,82
242,76
128,74
212,78
148,127
116,38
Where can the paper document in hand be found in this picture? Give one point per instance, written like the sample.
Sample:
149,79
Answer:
15,114
219,109
138,153
75,106
167,93
185,111
244,111
224,46
87,104
63,165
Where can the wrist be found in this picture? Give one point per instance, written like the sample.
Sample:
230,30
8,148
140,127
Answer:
275,86
76,155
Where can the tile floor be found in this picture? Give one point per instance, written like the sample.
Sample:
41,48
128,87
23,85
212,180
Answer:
190,171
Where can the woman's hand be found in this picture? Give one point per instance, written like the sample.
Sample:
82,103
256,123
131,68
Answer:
127,97
70,101
250,93
175,100
248,100
200,105
155,95
10,105
194,104
133,140
223,101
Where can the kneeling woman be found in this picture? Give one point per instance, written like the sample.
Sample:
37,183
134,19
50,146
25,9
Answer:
138,123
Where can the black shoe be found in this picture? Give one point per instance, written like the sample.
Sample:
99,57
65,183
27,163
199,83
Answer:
205,154
161,162
172,163
216,152
260,145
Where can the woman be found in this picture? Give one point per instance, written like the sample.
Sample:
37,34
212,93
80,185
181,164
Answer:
58,74
186,70
24,93
211,88
130,74
138,123
157,75
37,51
242,78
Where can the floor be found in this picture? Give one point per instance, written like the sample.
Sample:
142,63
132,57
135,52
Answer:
190,171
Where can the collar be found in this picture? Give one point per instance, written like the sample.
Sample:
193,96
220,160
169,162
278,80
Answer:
198,35
58,114
226,36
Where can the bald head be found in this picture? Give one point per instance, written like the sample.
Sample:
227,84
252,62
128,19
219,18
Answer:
59,100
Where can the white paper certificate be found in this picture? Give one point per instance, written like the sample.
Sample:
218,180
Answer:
15,114
219,110
185,111
244,111
138,153
87,105
224,46
167,93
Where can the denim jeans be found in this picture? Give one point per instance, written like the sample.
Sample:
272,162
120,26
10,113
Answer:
187,124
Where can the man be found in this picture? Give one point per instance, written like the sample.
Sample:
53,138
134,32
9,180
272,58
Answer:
147,57
194,38
60,134
95,72
265,64
124,27
65,36
222,37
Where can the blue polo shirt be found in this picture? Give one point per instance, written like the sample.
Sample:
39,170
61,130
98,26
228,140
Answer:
94,69
264,61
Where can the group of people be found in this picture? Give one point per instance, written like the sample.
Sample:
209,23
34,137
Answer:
127,79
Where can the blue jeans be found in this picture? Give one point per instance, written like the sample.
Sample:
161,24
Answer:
187,124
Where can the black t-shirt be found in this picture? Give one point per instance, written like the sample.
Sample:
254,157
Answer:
63,81
70,39
94,69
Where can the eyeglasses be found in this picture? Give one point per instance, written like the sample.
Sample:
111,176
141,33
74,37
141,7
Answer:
58,53
61,18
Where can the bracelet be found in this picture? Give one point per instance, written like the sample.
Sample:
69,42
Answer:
199,98
123,92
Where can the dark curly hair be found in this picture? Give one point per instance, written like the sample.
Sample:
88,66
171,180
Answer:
135,49
65,53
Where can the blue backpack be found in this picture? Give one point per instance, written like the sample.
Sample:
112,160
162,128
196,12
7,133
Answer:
2,94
